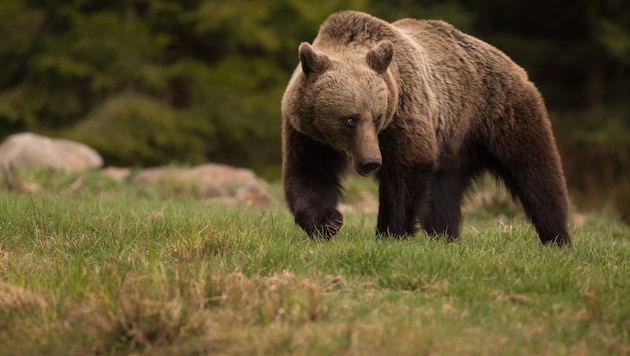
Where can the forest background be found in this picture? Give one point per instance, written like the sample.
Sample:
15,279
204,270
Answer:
153,82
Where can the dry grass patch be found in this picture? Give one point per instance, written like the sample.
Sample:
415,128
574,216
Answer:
204,312
21,300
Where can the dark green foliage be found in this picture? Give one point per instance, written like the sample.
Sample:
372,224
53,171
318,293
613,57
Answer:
151,82
137,130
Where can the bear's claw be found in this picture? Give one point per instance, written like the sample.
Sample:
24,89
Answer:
323,225
333,226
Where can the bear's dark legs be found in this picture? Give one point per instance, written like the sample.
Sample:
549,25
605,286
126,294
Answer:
532,172
402,199
542,193
311,184
445,214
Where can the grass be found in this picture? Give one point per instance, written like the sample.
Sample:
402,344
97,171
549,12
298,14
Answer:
113,269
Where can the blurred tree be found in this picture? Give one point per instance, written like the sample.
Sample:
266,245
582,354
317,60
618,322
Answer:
149,82
20,27
139,130
253,52
219,66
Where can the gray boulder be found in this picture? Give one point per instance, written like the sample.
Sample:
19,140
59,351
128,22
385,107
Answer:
27,150
219,182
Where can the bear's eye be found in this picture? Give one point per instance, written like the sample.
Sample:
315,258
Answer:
378,119
350,121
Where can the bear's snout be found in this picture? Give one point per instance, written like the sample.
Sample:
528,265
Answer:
367,166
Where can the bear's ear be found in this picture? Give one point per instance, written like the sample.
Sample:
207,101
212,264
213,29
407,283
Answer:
380,56
312,62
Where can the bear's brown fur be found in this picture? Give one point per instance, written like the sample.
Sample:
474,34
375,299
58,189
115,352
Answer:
428,108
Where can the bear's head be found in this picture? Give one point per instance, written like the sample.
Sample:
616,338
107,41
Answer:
345,99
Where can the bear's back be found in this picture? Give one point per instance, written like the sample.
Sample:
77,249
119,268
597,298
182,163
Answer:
439,38
351,28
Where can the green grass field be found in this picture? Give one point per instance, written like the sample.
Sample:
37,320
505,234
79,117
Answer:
112,269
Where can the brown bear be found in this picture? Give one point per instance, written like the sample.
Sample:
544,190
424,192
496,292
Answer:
426,108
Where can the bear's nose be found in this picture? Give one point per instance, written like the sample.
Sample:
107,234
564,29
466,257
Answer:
368,166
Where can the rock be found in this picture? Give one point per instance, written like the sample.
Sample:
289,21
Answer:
26,150
223,183
15,183
117,173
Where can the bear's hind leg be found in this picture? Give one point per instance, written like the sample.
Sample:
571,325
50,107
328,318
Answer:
533,174
542,193
523,152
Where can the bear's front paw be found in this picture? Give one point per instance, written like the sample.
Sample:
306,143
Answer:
324,224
